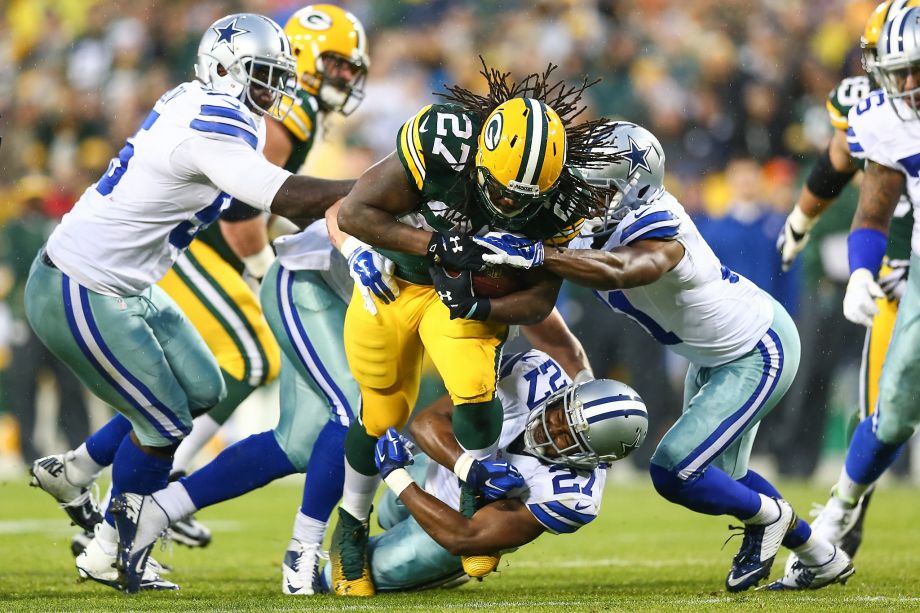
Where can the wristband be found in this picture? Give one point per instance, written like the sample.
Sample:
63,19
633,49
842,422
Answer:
398,481
259,263
350,245
463,465
865,249
800,222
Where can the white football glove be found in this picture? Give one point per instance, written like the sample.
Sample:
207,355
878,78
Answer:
371,272
511,250
894,282
859,301
794,236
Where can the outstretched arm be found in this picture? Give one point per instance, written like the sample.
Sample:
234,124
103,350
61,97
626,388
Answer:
640,263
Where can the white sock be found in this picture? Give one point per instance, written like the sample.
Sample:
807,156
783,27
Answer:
768,513
80,468
358,493
849,491
107,536
484,454
175,501
308,530
815,551
104,503
203,429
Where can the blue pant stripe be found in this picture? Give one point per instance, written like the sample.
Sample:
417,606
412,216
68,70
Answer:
81,342
732,428
157,407
306,353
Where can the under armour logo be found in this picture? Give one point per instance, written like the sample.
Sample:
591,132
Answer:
455,244
445,296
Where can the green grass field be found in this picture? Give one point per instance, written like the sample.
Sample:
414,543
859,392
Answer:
641,554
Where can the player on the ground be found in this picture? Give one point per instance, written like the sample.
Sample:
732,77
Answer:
91,296
560,435
504,161
885,131
834,170
647,260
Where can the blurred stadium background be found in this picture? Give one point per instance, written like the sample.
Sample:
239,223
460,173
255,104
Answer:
734,89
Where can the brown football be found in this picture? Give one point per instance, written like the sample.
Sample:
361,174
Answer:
494,281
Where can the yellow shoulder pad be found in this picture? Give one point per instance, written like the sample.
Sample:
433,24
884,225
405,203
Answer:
566,235
409,145
837,120
298,123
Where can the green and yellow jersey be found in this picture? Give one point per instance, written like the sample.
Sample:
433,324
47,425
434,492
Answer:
437,147
847,93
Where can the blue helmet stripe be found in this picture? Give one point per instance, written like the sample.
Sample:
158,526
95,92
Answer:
617,413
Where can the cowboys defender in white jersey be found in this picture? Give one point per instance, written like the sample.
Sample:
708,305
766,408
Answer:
885,131
548,476
90,295
646,259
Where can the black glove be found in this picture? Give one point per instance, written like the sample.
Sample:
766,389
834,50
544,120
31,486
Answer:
457,294
456,251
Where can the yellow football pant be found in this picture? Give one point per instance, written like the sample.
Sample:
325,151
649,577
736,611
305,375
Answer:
385,354
878,337
226,313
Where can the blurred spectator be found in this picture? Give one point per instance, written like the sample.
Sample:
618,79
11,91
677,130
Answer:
20,240
744,238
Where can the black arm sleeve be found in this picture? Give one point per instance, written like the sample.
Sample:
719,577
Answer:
239,211
825,181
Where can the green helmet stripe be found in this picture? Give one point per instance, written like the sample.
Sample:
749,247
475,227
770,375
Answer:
535,133
541,152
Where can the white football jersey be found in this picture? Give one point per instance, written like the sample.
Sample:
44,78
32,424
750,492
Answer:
700,309
876,133
311,249
195,150
563,499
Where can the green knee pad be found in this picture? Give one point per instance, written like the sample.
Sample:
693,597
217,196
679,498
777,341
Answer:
359,449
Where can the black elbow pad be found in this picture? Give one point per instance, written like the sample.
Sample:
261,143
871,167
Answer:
825,181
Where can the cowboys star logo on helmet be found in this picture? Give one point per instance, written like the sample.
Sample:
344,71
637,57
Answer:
637,156
226,34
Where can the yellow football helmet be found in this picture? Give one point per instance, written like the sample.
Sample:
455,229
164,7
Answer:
868,42
522,149
331,50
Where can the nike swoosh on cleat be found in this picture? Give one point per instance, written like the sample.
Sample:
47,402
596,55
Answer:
734,582
292,589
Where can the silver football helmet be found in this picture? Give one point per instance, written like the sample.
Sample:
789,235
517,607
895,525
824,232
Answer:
606,421
898,64
635,180
251,51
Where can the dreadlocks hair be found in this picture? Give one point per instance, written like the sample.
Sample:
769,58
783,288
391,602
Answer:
586,143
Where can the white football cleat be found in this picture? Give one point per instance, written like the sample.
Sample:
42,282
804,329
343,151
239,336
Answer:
835,520
140,522
801,577
758,549
189,532
50,474
300,569
97,562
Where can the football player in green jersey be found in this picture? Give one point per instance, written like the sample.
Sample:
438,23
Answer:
833,172
505,161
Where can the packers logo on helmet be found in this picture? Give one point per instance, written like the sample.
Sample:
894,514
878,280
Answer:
521,157
331,50
868,42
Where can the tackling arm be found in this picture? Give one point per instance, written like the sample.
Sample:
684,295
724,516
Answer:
503,524
828,177
552,336
634,265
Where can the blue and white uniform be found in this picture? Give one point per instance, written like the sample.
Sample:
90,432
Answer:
91,299
563,499
878,134
742,346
